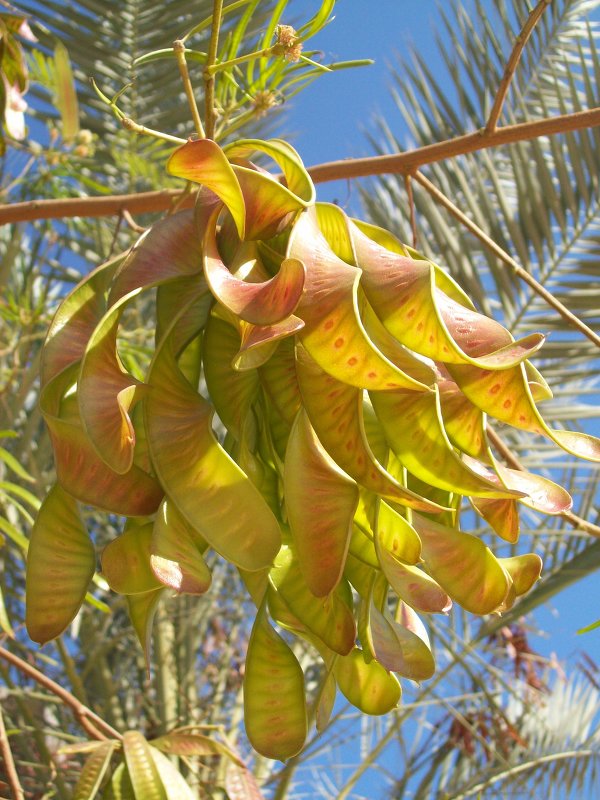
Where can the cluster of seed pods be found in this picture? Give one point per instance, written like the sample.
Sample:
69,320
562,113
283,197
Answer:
352,379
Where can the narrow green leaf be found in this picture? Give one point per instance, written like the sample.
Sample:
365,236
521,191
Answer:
66,93
145,778
93,772
175,785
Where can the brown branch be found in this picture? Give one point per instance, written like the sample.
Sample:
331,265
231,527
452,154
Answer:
88,719
402,163
9,763
537,287
512,63
512,460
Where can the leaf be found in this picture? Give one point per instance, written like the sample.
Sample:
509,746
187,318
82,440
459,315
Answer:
395,535
175,785
145,777
80,470
259,342
333,332
297,179
106,391
274,704
66,94
126,561
501,515
329,619
94,770
75,320
60,564
121,787
506,396
335,412
263,303
463,566
368,686
404,295
524,570
325,702
208,488
320,501
269,205
171,248
232,392
240,784
13,464
204,162
181,743
399,649
413,427
411,584
142,610
176,553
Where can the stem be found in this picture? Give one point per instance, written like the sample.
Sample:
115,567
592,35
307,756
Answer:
130,125
512,63
209,93
9,763
81,711
233,62
411,205
537,287
403,163
179,50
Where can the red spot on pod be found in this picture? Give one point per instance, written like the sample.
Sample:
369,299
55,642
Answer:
495,388
328,325
338,342
352,361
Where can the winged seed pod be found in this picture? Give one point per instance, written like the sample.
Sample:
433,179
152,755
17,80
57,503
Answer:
353,378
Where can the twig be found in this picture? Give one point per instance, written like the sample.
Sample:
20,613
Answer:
512,460
411,206
179,50
9,763
537,287
209,91
402,163
89,720
512,63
